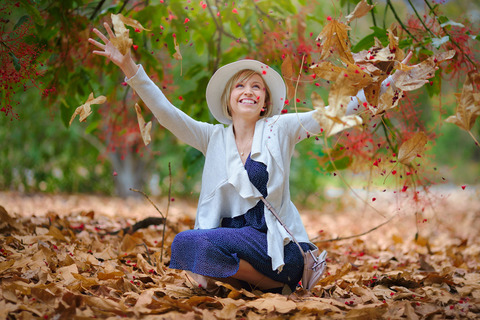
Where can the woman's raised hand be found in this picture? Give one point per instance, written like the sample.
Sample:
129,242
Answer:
108,50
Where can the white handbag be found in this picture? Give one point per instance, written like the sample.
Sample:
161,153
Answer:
314,263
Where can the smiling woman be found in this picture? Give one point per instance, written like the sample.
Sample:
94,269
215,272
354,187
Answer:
237,238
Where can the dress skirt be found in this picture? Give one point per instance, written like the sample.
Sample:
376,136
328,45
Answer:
217,252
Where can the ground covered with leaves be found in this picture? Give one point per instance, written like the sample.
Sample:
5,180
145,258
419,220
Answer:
61,258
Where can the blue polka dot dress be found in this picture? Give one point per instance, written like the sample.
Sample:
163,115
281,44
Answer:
217,252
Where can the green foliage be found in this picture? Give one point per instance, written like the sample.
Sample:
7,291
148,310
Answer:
207,41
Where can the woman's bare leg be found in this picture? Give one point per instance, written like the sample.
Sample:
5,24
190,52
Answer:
249,274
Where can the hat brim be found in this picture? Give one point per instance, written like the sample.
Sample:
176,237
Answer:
217,84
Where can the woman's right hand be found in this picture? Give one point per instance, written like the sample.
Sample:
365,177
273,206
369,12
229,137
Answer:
108,50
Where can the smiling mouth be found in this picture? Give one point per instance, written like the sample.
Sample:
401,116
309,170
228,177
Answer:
248,101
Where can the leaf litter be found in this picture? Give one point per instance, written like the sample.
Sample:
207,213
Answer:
63,259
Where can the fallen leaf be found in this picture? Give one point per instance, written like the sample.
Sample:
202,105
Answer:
412,147
360,10
144,128
317,100
85,110
468,107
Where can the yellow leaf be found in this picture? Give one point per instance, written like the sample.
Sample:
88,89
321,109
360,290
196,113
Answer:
360,10
85,110
121,40
335,36
414,146
468,107
144,128
288,73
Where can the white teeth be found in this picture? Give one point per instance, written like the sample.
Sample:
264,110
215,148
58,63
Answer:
249,101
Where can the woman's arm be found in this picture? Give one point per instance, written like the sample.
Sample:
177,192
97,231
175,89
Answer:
185,128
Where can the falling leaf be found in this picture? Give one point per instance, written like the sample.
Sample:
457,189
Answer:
317,100
131,22
144,128
288,73
416,77
360,10
468,107
121,40
335,36
85,110
412,147
388,100
178,55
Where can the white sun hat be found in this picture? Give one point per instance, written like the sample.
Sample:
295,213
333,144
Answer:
217,83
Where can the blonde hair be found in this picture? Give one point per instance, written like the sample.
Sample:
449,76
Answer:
241,76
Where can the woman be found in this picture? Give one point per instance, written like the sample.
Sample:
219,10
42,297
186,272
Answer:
235,237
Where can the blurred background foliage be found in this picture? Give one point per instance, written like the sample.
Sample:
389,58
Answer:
105,154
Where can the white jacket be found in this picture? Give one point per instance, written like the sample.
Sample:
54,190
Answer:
226,189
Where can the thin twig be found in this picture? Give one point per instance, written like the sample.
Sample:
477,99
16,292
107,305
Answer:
148,254
153,204
420,19
354,236
450,37
400,22
168,206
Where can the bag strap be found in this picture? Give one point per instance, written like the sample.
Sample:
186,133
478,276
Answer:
272,210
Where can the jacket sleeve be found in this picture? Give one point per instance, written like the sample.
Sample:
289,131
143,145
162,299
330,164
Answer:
190,131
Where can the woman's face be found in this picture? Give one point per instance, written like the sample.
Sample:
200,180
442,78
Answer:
247,97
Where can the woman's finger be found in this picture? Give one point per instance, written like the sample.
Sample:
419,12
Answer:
109,30
408,57
101,53
96,43
100,35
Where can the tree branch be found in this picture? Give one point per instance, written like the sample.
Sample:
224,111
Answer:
354,236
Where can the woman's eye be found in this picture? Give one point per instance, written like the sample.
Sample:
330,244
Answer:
239,85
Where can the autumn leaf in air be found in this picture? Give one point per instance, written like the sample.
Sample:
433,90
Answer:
468,107
333,119
388,100
144,128
177,55
360,10
121,40
85,110
412,147
288,73
416,77
335,36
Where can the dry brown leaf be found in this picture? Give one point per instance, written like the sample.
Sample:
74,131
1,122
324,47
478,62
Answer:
371,311
335,36
121,40
468,107
360,10
417,76
411,148
131,22
178,55
85,110
144,128
317,100
288,73
333,119
346,268
388,100
273,302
